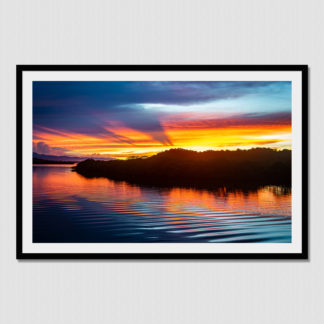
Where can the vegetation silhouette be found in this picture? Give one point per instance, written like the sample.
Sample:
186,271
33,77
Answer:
179,167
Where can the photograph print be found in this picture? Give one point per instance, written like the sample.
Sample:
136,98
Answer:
169,162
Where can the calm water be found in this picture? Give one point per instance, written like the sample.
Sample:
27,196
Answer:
71,208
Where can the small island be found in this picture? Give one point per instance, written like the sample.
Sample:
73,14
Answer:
180,167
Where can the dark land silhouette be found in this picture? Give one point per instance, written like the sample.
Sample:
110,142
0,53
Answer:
180,167
42,161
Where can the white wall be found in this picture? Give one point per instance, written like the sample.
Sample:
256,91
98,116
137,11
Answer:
159,32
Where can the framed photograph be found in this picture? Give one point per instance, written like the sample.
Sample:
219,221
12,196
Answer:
162,162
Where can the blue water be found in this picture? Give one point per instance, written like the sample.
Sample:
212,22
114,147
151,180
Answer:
68,207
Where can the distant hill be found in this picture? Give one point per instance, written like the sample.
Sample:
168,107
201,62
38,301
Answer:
73,159
179,167
42,161
57,158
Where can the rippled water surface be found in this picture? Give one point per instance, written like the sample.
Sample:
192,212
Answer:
70,208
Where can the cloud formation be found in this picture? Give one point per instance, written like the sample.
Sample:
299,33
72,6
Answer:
83,107
146,112
43,148
240,120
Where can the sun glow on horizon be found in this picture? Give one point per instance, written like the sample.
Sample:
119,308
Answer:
142,145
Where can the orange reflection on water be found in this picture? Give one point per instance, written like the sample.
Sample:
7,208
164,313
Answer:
266,200
62,184
67,187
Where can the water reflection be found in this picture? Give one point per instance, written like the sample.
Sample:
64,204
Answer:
71,208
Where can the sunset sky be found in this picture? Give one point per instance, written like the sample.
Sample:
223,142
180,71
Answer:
119,119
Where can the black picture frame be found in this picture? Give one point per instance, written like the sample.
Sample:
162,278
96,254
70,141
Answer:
158,256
